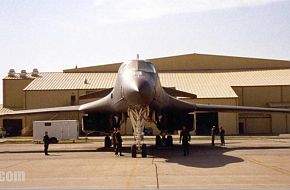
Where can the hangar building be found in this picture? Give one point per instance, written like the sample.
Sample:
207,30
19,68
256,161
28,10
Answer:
214,79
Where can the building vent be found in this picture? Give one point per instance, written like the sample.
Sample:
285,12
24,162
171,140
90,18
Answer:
23,74
11,73
35,73
86,81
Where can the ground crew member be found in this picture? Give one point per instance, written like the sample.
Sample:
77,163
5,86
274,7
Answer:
222,136
46,143
213,131
119,141
114,139
185,138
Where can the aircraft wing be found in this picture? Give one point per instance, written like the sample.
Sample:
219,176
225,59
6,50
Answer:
41,110
227,108
191,107
102,105
97,94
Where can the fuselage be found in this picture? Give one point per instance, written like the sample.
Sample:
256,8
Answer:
137,84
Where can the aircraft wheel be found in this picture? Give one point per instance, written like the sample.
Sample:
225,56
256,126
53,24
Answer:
134,151
169,140
144,151
107,142
157,140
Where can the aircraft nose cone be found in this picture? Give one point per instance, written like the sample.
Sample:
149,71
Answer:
140,92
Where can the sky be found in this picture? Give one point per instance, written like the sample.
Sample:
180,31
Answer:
53,35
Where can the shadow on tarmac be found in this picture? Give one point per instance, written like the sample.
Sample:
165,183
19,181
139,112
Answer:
200,156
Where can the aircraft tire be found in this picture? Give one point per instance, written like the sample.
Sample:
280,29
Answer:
169,140
107,142
134,151
157,140
144,151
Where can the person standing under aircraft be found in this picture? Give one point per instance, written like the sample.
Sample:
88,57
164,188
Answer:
213,131
118,139
114,139
222,136
46,143
185,138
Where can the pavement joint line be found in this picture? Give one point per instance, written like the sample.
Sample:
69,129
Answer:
157,178
19,163
279,170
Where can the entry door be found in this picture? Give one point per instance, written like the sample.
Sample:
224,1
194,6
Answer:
205,121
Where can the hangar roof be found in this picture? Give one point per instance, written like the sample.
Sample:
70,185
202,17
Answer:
196,62
205,84
5,110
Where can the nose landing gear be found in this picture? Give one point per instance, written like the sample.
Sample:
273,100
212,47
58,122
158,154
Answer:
138,115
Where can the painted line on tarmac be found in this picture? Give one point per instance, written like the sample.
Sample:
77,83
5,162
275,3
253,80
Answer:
132,174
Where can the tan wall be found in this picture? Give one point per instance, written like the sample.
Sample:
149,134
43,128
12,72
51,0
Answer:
229,121
258,125
286,93
288,123
218,101
45,99
279,123
83,92
260,96
239,92
13,94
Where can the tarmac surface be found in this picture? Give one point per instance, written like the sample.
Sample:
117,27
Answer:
254,163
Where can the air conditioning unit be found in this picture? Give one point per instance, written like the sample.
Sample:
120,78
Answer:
35,73
11,73
23,74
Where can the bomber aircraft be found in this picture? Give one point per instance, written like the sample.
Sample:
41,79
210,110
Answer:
139,95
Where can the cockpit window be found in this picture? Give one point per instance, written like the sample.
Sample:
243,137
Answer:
133,66
140,66
146,67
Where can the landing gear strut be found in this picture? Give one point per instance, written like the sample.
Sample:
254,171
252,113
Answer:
138,115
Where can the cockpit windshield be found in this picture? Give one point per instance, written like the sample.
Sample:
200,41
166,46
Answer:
141,66
146,67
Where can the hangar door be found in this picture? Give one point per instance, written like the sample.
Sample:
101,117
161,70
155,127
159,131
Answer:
12,127
205,121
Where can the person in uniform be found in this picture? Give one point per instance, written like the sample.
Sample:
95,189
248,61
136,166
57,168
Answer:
185,138
46,142
119,141
114,139
213,131
222,136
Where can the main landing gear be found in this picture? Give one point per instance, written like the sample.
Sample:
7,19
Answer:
163,141
107,142
138,115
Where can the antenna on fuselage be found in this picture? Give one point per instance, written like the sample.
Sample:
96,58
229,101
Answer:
137,56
